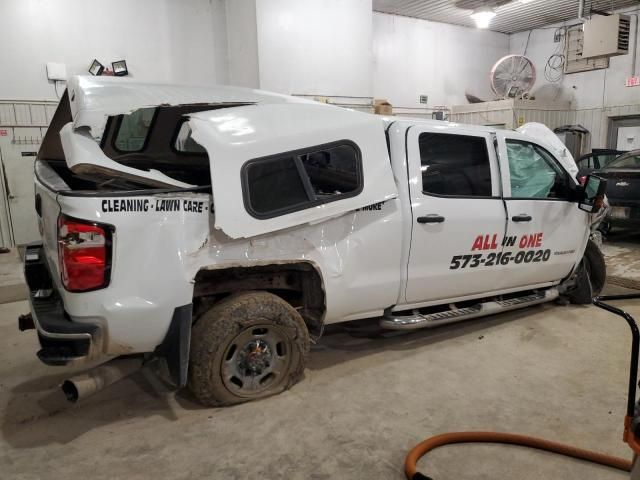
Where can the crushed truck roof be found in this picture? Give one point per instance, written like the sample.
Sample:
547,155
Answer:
94,99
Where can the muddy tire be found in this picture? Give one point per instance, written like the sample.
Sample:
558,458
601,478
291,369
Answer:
591,276
596,267
246,347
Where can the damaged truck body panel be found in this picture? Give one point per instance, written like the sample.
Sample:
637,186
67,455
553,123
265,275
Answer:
94,99
276,132
190,228
160,205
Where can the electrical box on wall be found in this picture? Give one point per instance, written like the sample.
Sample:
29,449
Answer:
606,36
56,71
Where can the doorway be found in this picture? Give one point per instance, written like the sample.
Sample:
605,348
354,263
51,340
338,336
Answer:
16,162
624,133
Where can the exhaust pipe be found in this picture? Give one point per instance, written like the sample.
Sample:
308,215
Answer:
81,386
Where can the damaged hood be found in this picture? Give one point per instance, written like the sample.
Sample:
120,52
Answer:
545,135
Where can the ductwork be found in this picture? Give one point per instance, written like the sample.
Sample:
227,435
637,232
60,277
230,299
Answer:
581,11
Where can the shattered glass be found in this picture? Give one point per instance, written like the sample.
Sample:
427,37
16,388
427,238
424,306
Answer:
531,175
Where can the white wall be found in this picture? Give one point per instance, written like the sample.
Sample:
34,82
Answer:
315,46
586,90
414,57
162,40
242,43
596,96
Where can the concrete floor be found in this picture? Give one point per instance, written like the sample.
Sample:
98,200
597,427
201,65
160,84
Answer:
12,286
623,257
551,371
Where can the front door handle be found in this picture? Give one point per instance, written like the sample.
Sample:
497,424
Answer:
523,217
432,218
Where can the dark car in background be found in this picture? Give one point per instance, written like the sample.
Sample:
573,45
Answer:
596,160
623,190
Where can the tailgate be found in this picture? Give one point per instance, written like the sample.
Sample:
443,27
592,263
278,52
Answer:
47,210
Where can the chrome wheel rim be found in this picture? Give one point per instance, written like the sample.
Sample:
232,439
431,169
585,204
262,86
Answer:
256,360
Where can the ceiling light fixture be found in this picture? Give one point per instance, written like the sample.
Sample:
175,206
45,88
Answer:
483,17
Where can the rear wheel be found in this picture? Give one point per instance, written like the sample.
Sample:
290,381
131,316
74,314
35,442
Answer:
248,346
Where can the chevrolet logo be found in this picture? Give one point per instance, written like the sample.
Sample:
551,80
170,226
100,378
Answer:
622,184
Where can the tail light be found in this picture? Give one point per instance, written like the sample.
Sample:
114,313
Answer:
84,250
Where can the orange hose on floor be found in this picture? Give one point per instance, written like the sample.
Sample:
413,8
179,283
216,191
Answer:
432,443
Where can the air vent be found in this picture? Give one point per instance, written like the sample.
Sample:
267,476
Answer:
623,34
606,36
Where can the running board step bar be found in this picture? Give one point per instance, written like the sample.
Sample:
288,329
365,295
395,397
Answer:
418,320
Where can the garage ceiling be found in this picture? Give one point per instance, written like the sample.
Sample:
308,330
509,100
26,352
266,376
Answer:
511,16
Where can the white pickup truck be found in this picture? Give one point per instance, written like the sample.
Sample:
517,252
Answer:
221,229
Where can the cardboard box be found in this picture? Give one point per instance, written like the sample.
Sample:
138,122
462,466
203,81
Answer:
382,107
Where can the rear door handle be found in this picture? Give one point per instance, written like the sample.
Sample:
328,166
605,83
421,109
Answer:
523,217
432,218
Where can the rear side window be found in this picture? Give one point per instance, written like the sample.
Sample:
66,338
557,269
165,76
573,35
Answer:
454,165
133,130
302,179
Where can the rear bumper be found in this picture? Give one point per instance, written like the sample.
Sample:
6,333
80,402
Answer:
63,342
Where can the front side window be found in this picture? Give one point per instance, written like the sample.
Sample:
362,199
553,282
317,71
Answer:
534,172
133,130
454,165
302,179
630,160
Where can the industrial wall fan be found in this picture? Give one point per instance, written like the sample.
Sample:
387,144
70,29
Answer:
512,76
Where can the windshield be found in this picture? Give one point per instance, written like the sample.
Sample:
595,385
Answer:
628,160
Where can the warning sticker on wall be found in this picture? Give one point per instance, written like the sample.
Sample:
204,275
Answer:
3,132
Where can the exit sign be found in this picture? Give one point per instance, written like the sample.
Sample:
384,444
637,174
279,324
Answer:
632,82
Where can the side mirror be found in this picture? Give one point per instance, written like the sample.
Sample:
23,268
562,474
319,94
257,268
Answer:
592,197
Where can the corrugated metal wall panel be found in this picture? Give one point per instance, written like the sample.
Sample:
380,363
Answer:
38,115
23,114
50,110
491,117
7,116
26,114
596,120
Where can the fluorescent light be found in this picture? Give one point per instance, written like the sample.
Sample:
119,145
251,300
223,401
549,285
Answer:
524,2
483,17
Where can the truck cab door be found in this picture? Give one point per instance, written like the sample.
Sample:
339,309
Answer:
546,232
458,218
